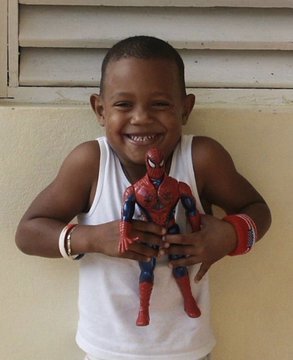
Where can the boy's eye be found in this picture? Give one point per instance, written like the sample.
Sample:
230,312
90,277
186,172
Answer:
123,104
161,104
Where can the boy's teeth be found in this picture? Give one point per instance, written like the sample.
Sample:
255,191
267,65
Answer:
141,138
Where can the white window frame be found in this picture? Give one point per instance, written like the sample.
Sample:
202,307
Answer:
9,37
165,3
3,49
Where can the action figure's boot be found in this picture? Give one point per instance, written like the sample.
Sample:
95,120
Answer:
190,305
145,290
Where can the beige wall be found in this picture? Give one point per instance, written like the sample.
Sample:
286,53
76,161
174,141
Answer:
251,295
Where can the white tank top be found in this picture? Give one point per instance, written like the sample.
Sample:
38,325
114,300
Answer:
108,292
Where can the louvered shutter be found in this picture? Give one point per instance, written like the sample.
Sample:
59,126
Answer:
60,44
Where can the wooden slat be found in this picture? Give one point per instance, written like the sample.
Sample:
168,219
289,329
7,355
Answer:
60,67
3,48
166,3
238,69
190,28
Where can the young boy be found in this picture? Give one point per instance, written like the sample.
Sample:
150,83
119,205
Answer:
142,104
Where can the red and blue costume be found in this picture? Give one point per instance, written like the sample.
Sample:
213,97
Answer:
157,196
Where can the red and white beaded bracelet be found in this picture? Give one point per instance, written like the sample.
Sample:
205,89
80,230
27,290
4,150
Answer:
246,232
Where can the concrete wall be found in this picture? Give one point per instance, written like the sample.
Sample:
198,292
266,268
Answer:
251,295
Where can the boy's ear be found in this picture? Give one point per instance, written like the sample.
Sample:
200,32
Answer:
189,102
98,108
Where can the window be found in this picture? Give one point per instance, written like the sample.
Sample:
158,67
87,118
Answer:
55,47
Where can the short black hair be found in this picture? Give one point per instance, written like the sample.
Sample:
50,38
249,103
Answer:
143,47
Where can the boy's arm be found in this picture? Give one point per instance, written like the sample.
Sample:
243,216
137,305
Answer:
219,184
222,185
70,194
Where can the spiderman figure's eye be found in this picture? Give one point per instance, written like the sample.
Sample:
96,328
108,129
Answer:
162,163
151,163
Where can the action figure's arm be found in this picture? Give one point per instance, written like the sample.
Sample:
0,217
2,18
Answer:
188,202
126,218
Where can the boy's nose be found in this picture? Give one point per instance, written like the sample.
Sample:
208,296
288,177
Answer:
141,116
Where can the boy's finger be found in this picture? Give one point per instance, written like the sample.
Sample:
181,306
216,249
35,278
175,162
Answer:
188,261
177,250
183,239
201,272
150,239
144,250
149,227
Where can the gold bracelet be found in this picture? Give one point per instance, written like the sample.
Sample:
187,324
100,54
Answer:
68,244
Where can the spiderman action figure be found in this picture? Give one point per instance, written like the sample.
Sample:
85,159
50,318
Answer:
157,195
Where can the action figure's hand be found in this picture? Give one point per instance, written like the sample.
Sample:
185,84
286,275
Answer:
213,241
125,239
148,234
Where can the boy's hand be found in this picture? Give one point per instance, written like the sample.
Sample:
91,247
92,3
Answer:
149,234
213,241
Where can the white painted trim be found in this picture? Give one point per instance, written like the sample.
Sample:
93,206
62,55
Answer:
204,97
166,3
3,48
13,42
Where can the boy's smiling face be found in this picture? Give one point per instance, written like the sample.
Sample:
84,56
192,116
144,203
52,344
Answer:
142,105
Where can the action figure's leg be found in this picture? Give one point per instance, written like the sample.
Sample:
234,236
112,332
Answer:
146,281
181,276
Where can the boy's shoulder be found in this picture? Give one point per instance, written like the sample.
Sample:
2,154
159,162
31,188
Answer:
202,141
79,172
82,162
86,153
210,160
205,148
